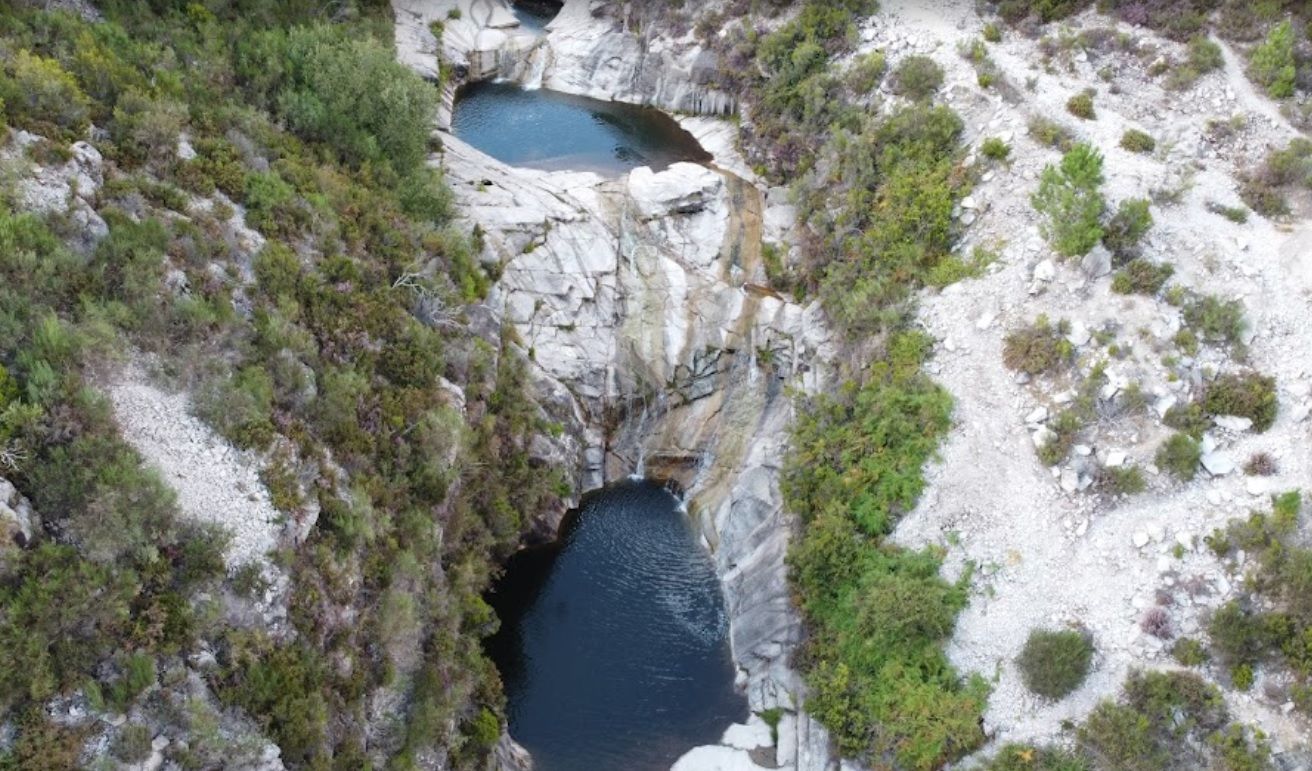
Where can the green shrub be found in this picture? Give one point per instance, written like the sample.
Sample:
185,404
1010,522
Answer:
1142,277
1215,319
1081,106
132,745
1204,56
917,77
1236,214
1050,133
1126,228
1248,395
995,148
878,614
1070,201
867,72
1121,480
1180,456
1041,347
1137,141
992,33
1053,664
1189,652
40,95
1272,62
349,93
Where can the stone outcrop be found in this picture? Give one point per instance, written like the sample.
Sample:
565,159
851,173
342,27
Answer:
641,301
591,48
18,523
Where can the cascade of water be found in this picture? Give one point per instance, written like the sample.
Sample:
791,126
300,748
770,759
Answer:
537,65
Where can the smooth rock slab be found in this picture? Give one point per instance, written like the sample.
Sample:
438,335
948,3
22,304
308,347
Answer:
715,758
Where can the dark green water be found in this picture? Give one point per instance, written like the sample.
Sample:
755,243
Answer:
549,130
614,641
535,15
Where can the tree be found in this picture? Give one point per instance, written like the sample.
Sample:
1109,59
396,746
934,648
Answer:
1273,62
1069,198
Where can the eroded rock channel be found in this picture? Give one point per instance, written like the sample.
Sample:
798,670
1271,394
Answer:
640,295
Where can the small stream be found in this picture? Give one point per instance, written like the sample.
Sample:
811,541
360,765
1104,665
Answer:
614,646
548,130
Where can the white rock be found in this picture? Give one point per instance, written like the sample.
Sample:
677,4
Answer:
1140,539
1115,459
1255,486
1163,404
756,733
1045,271
1070,481
1042,436
1079,334
1083,450
1234,422
1218,463
1097,263
985,320
1037,415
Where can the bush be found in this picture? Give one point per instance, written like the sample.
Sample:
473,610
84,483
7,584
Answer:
1180,456
1053,664
1215,319
1156,622
349,93
1142,277
1189,652
1261,464
995,148
1236,214
917,77
1137,141
1204,56
1121,480
1249,395
1081,106
39,95
1070,201
1050,133
992,33
1127,228
1036,349
1272,63
132,745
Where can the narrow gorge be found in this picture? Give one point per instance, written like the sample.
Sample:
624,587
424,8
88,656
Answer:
641,298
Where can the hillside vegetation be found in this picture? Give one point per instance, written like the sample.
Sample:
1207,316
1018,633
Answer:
328,349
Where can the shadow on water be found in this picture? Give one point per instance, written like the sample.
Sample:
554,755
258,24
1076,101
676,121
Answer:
613,645
535,15
549,130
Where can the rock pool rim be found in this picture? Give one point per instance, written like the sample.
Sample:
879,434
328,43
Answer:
686,148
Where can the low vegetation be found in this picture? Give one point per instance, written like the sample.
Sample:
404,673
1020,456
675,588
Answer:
1179,456
1054,663
1040,348
332,366
1137,141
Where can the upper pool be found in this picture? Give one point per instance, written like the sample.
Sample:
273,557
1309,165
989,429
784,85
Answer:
535,15
548,130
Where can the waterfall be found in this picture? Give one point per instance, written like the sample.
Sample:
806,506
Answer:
537,65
